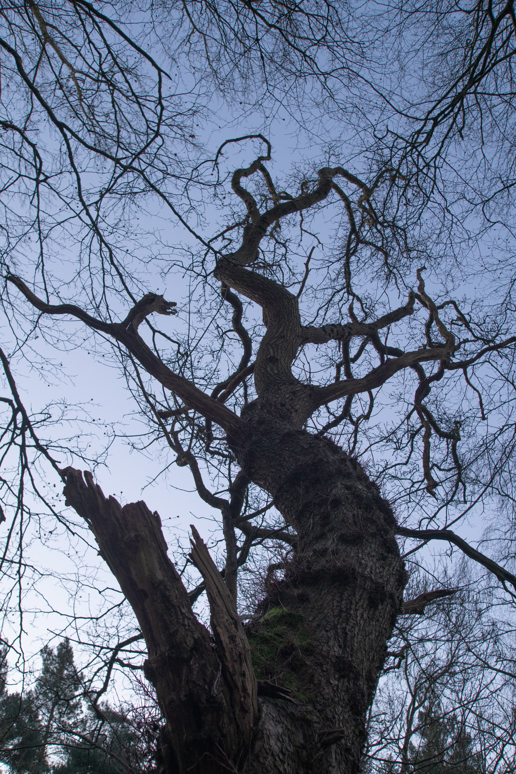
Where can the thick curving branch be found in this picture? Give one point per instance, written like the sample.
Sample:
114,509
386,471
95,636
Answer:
343,332
247,344
254,232
207,694
378,376
59,309
225,389
232,645
284,335
126,334
279,346
451,537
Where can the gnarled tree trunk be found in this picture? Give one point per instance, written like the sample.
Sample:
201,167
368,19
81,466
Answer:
321,632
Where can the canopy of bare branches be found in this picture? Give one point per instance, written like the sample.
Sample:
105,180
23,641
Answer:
288,228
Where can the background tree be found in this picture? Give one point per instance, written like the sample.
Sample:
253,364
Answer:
443,745
442,748
55,726
104,742
21,735
314,357
446,698
57,693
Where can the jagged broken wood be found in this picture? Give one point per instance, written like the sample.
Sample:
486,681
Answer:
207,720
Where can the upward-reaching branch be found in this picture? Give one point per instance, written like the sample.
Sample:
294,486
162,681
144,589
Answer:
502,574
207,695
127,334
279,346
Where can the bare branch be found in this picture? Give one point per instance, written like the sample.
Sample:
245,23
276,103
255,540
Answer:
417,605
233,646
378,376
346,331
191,395
451,537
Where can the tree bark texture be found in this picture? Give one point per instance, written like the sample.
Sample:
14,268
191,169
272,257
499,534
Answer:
337,603
320,633
208,699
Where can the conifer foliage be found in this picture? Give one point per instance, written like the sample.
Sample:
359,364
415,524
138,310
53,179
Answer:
443,746
55,729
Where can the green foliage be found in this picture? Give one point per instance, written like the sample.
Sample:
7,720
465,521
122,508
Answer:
58,685
103,752
445,747
21,735
53,717
280,649
3,666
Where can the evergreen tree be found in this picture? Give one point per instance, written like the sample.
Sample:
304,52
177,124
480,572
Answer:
104,747
20,728
3,666
445,747
21,736
51,716
58,684
462,758
57,697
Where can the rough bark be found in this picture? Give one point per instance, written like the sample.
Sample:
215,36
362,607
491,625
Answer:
335,607
207,727
321,633
290,693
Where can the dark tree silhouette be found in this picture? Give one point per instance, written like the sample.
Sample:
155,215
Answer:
321,328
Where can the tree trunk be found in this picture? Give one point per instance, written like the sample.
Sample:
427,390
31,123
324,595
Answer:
321,632
335,607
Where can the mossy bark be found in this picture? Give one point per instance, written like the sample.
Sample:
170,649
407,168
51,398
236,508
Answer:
324,627
321,633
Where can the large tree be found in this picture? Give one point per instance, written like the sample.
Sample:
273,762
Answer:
327,321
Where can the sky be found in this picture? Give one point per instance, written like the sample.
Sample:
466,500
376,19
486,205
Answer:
89,392
105,414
